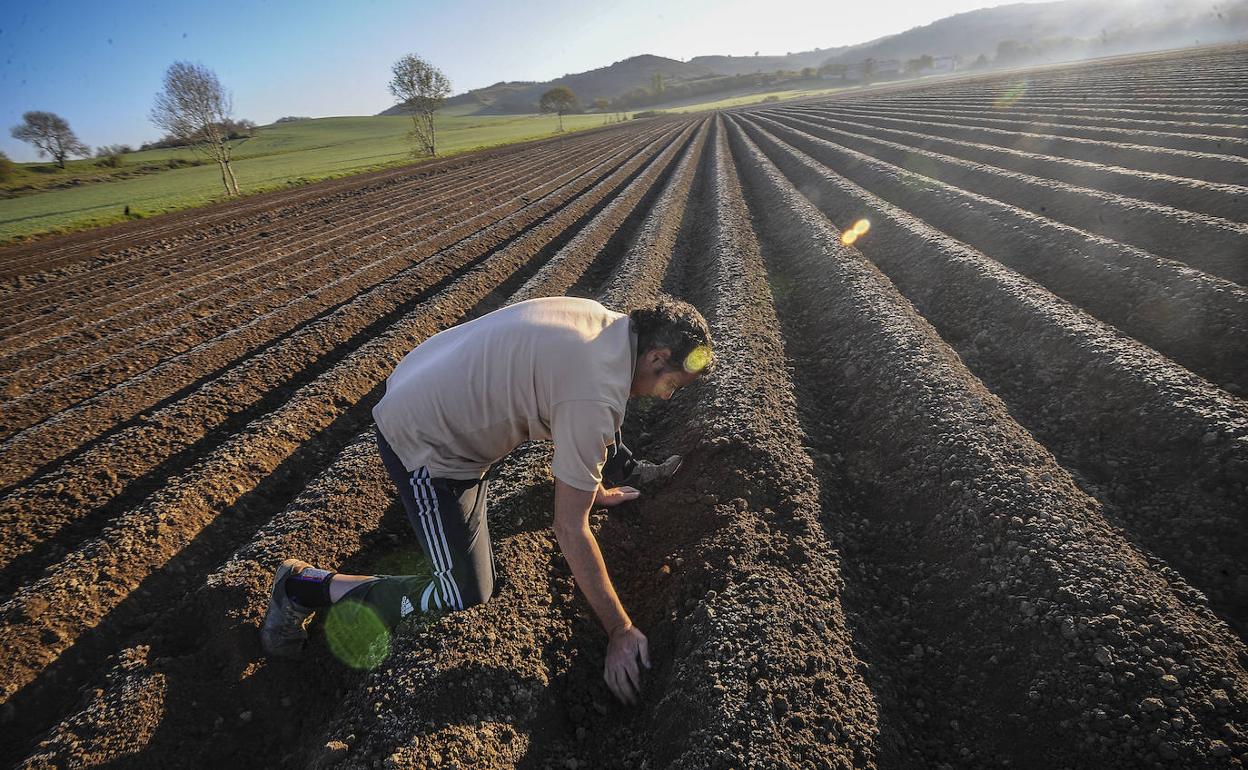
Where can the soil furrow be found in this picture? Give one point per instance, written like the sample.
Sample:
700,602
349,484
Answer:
1218,200
638,276
1216,246
1029,619
244,571
702,675
1189,316
1096,399
1215,145
135,265
590,242
1069,113
1227,169
1123,109
42,620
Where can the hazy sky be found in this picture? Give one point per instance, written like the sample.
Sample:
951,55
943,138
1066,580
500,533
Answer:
99,63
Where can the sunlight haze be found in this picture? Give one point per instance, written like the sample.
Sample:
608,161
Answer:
99,65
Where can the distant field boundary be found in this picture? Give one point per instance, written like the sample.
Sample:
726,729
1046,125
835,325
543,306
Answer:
270,195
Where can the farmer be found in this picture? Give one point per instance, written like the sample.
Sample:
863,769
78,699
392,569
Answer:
558,368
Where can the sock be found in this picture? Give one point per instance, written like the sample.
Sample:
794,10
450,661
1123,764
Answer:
310,588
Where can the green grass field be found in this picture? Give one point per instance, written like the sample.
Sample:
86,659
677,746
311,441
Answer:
280,155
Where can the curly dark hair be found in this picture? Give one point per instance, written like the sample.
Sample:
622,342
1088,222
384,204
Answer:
677,325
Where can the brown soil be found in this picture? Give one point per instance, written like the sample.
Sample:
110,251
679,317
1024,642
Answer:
967,493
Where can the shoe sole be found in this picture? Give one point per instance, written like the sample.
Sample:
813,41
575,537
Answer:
289,648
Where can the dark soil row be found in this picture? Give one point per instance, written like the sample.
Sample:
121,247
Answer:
173,692
637,277
139,457
1190,317
1214,245
575,258
1038,636
1096,399
268,303
1211,167
216,283
1079,115
1218,200
989,117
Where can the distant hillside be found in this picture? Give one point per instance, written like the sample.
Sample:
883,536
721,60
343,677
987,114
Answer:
605,82
1008,35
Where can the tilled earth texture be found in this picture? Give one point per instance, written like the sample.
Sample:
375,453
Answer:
967,489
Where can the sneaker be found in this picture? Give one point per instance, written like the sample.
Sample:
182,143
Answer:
283,632
647,473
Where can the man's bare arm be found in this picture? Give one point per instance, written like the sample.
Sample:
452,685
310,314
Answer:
626,644
577,542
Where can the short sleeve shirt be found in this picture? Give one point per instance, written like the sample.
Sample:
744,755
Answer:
553,368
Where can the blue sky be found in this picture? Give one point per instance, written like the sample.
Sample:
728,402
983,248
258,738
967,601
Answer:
99,63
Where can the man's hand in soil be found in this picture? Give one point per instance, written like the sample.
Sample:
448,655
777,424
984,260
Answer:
627,645
615,495
579,547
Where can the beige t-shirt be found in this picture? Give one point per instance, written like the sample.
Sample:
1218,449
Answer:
554,368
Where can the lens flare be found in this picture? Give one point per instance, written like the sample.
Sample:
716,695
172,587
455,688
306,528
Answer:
356,634
1012,95
697,359
858,230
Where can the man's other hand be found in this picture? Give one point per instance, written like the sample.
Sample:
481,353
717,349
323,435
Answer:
615,496
623,676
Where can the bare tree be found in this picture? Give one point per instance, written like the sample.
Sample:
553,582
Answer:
50,135
193,107
559,99
420,88
601,105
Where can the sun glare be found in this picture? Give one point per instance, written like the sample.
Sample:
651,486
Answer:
1012,94
858,230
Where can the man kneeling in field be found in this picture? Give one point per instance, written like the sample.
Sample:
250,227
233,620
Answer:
558,368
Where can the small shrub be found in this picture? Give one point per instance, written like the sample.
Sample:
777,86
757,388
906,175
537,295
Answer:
109,156
772,98
648,114
8,169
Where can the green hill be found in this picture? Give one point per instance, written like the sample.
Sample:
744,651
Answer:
1033,33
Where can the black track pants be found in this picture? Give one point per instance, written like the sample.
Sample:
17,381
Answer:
448,517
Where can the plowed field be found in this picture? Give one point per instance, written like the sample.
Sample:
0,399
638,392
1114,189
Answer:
969,490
